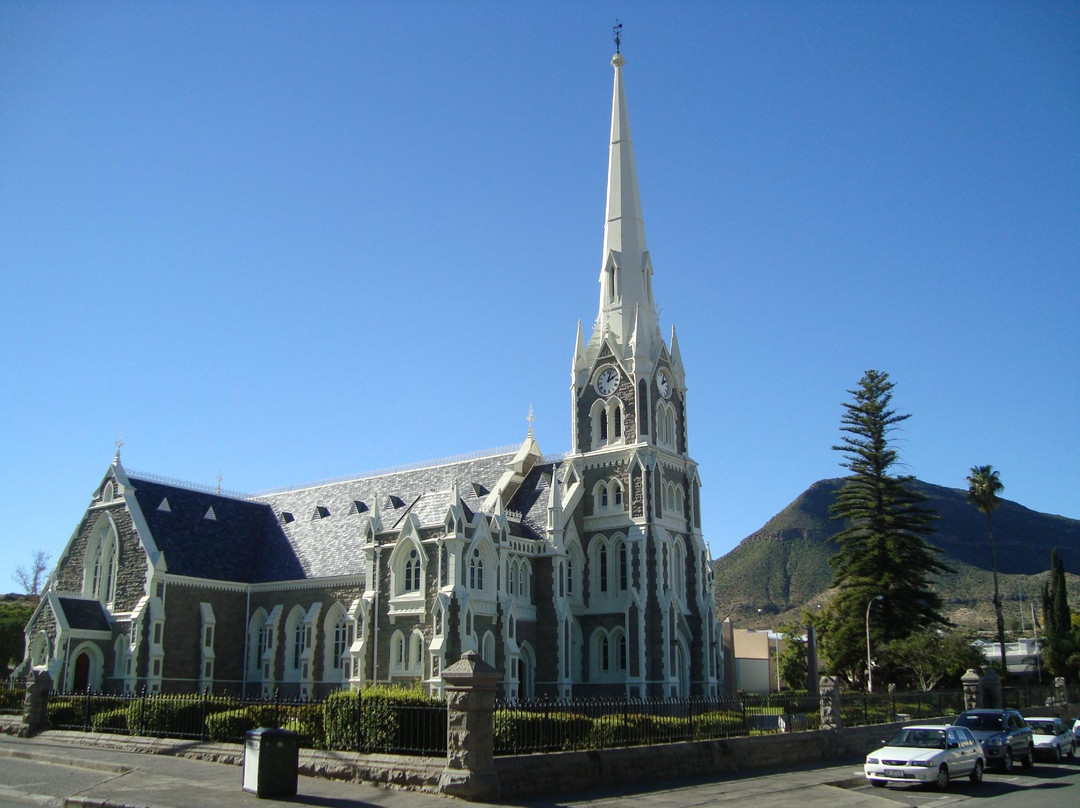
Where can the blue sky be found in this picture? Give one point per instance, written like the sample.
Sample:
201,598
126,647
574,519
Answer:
293,241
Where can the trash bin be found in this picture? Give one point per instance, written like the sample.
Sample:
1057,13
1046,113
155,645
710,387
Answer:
271,760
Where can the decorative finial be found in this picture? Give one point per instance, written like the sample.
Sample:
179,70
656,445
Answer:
530,419
219,479
617,32
119,443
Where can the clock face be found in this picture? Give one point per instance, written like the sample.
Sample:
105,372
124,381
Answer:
664,383
607,381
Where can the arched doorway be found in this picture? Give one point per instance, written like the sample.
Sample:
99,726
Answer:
81,678
526,673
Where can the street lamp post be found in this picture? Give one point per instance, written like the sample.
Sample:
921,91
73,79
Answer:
869,662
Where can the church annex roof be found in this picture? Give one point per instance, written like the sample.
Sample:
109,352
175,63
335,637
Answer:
83,614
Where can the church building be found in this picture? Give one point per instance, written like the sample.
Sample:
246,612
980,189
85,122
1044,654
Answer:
579,575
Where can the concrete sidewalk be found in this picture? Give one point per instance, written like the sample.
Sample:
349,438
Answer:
55,771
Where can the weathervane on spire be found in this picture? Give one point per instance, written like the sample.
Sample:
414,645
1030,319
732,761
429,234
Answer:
119,443
617,32
530,419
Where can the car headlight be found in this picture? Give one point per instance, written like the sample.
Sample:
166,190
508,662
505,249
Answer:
926,764
994,741
873,760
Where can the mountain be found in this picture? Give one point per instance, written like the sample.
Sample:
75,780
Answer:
776,571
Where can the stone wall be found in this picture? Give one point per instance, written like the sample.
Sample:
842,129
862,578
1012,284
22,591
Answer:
533,775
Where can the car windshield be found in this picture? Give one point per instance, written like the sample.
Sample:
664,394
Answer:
920,738
1042,727
981,721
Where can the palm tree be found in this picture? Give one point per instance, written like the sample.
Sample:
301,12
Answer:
984,485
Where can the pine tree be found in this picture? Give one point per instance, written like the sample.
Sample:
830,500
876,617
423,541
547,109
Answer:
1057,618
883,550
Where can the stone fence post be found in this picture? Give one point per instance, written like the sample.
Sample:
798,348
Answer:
830,703
470,735
972,684
35,716
991,690
1061,696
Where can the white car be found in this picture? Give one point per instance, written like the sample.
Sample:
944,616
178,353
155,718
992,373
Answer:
1053,738
930,753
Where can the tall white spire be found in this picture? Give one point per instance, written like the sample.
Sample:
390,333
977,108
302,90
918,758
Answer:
626,272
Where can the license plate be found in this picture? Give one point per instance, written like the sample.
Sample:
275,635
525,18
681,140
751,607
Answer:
894,773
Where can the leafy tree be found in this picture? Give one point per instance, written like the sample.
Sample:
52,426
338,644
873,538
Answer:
1060,636
883,550
932,657
984,485
31,580
792,660
14,615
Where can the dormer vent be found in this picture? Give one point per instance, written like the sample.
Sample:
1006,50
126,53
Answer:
164,506
210,514
321,512
287,517
358,507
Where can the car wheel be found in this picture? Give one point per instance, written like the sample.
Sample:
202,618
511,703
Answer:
1057,754
1072,750
878,783
942,780
1007,762
1029,759
977,772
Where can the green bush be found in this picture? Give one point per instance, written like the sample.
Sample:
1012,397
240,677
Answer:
230,726
11,699
114,720
377,719
519,732
77,711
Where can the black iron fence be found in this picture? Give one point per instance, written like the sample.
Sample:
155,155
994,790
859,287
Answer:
523,727
373,721
12,696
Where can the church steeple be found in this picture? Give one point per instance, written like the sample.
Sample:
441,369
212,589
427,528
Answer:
627,308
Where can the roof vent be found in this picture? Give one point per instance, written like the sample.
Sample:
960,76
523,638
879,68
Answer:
210,514
358,507
393,502
164,506
287,517
321,512
479,490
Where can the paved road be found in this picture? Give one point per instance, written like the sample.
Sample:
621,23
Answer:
46,773
1048,785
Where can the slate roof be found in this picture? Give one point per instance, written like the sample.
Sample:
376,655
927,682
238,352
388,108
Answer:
328,545
243,542
305,532
531,500
84,614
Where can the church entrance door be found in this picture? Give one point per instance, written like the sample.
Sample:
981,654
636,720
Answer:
82,673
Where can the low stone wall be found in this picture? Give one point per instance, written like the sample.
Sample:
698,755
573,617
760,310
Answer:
533,775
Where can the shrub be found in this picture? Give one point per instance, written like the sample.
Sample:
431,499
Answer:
114,720
382,719
230,725
519,731
11,699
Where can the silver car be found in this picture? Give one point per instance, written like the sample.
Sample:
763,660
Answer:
1053,739
930,753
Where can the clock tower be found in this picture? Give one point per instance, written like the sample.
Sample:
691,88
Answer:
643,607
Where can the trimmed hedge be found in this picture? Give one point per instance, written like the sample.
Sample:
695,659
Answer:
383,719
114,720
